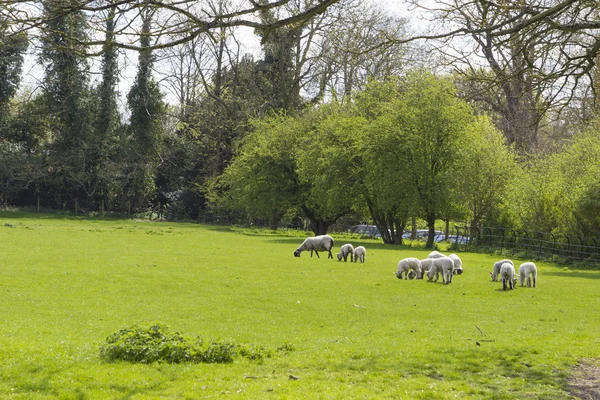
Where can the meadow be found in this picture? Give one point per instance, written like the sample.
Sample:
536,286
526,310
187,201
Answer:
356,331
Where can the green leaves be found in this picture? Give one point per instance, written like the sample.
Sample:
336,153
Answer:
156,344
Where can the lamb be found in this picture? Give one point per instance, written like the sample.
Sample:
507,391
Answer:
407,264
507,273
445,265
528,271
346,250
458,269
435,254
316,244
360,253
494,274
426,264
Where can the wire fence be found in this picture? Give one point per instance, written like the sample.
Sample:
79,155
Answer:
533,244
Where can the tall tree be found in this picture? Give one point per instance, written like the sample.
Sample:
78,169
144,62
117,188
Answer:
12,49
434,123
67,95
145,125
107,118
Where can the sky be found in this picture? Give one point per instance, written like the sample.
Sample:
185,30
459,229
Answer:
33,71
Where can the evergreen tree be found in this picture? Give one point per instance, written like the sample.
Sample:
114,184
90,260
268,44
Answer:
67,96
11,64
145,128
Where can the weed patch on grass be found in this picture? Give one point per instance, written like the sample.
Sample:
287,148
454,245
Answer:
156,344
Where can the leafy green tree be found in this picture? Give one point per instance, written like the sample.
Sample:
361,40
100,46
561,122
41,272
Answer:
434,124
484,175
330,164
262,180
387,186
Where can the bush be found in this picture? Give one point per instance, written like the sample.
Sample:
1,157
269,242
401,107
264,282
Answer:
155,343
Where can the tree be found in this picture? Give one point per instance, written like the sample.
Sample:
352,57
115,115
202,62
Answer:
330,164
181,20
145,125
262,179
434,124
68,99
12,49
540,52
485,173
386,185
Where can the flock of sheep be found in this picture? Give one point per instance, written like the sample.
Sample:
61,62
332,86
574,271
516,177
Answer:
325,243
435,264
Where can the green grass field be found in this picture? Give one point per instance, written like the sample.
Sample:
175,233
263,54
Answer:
356,330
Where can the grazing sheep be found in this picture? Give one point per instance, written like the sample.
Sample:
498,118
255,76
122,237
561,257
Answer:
426,265
346,250
528,271
494,274
445,265
360,253
316,244
408,264
458,269
507,273
435,254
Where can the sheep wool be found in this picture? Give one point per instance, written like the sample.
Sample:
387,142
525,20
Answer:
496,271
407,264
316,244
345,251
528,271
458,269
507,273
360,253
445,265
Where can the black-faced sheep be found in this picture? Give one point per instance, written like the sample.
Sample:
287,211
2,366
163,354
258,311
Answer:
507,273
345,251
316,244
496,271
528,271
360,253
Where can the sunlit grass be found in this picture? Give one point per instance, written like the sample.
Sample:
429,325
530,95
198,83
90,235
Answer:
357,331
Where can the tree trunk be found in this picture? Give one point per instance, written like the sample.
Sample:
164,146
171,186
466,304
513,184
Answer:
431,234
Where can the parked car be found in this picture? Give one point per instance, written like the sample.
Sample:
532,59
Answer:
366,230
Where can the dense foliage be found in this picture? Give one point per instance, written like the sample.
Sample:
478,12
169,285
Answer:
311,131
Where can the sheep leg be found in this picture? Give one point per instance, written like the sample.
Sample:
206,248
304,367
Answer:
330,255
503,283
317,253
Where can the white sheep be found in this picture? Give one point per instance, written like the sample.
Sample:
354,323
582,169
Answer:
528,271
346,250
445,265
435,254
494,274
316,244
458,269
426,264
507,273
408,264
360,253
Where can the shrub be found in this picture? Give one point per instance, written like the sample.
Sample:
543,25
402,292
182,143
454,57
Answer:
155,343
